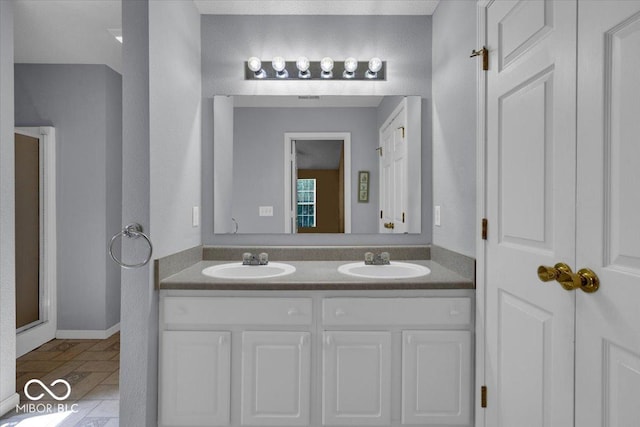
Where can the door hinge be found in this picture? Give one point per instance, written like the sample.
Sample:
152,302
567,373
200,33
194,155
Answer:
402,128
380,214
483,396
484,228
485,57
403,217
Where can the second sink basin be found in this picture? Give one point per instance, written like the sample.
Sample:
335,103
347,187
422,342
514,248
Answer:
236,270
394,270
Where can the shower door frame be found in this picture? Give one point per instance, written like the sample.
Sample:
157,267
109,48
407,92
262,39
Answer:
34,335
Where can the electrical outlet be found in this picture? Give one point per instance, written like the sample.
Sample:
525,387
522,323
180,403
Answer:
436,215
265,211
195,216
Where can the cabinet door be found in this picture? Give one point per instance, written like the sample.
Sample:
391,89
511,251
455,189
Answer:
276,378
356,378
436,377
194,378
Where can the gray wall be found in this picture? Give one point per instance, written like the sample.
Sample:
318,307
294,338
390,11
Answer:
83,103
8,396
139,301
161,175
403,41
258,173
454,125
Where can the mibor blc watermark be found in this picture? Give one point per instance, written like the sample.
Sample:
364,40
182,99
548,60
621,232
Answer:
46,408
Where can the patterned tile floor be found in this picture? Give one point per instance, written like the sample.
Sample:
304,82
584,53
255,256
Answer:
91,367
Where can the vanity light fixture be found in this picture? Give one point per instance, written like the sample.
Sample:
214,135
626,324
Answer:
375,65
350,67
279,65
255,65
326,64
303,67
325,69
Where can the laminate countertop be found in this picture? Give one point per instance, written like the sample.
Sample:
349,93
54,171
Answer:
315,275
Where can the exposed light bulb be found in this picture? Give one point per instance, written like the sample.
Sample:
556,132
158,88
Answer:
350,64
279,64
254,64
326,64
375,65
303,67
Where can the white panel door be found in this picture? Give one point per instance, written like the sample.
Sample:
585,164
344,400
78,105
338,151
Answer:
393,172
356,378
531,152
276,378
436,377
608,215
194,378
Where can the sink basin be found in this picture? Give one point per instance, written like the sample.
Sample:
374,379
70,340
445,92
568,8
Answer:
236,270
395,270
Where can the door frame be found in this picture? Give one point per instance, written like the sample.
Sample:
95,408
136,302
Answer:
37,335
481,212
326,136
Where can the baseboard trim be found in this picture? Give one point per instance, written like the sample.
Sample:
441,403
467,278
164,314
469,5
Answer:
70,334
9,403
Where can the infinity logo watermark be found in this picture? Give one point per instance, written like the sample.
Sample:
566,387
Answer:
47,408
47,389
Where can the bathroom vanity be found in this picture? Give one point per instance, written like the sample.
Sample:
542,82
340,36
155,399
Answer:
316,347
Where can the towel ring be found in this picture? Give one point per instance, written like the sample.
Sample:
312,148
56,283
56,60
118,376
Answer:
132,231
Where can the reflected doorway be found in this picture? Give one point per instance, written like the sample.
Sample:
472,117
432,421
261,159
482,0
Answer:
317,184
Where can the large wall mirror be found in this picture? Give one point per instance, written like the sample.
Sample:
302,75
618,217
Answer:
317,164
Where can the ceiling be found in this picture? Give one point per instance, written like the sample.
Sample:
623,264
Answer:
67,32
77,31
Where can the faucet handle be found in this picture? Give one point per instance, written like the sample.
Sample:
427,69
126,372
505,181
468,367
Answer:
246,258
263,258
385,257
368,257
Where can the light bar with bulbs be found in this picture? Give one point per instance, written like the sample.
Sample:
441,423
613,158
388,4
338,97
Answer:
325,69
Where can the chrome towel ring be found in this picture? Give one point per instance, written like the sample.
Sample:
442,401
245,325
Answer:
132,231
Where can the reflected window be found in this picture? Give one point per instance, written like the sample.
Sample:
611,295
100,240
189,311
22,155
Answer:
306,192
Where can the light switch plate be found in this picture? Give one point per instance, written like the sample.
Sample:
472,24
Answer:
195,216
436,215
265,211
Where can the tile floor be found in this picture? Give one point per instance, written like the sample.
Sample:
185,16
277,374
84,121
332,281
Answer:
90,366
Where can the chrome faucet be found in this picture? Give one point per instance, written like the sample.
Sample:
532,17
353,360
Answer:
379,259
251,259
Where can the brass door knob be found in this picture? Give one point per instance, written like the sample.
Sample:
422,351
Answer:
584,279
389,225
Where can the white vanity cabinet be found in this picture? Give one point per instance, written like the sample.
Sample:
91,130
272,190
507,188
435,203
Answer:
356,378
276,378
234,361
267,359
195,376
431,357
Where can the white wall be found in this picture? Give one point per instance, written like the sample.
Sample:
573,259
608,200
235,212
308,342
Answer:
161,174
454,125
8,396
175,99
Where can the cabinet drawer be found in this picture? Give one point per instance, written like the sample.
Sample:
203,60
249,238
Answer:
237,311
396,311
